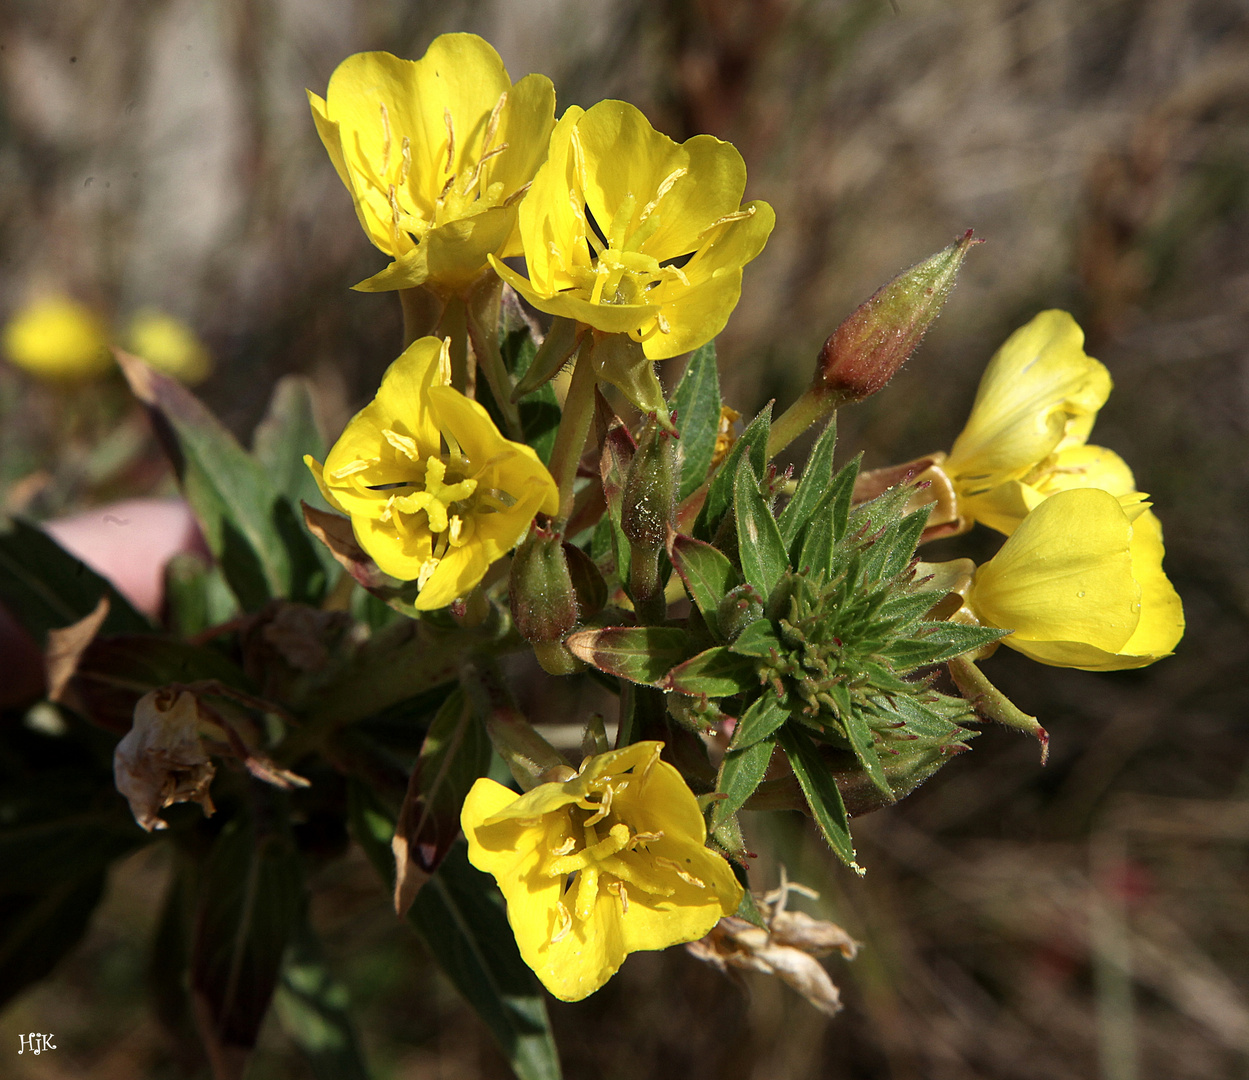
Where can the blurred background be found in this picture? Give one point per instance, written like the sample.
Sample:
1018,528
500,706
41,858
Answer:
1085,919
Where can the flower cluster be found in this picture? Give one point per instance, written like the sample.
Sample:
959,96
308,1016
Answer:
814,629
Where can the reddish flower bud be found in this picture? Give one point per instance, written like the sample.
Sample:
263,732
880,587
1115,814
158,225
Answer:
877,338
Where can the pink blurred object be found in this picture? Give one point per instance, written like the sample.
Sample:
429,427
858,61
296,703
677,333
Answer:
129,542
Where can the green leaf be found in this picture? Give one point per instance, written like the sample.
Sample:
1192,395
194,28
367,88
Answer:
251,527
764,716
250,898
820,791
311,1005
759,545
817,478
197,595
46,588
288,432
707,575
741,772
827,524
758,639
459,915
716,672
936,643
539,410
641,654
455,753
862,743
753,445
696,403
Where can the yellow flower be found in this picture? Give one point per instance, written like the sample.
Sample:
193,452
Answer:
609,863
58,338
436,153
1025,438
434,492
168,345
1080,583
631,233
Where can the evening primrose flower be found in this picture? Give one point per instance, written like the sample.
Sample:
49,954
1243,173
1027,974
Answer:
58,338
611,862
436,153
1026,436
1080,584
631,233
434,492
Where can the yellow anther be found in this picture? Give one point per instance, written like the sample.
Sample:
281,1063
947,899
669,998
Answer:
385,139
565,847
405,170
565,923
427,571
676,868
618,887
455,527
446,119
405,444
350,469
665,186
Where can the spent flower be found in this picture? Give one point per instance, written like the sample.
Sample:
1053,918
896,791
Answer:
610,862
435,493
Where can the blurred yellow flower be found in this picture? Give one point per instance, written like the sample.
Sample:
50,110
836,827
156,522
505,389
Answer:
1080,583
168,345
434,492
58,338
631,233
1025,438
612,862
436,153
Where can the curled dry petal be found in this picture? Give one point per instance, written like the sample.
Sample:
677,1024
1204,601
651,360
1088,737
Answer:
162,759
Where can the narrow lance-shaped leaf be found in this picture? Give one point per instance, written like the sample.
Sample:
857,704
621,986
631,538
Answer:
641,654
761,720
45,588
455,753
250,899
706,573
250,526
820,791
741,772
715,672
753,445
759,545
696,403
460,917
817,476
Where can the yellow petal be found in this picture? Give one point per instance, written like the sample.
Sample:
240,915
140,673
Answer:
1065,575
168,345
1039,391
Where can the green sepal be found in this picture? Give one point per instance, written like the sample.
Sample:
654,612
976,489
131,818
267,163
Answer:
758,639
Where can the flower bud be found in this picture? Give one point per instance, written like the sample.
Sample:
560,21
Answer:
738,609
543,600
650,488
877,338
